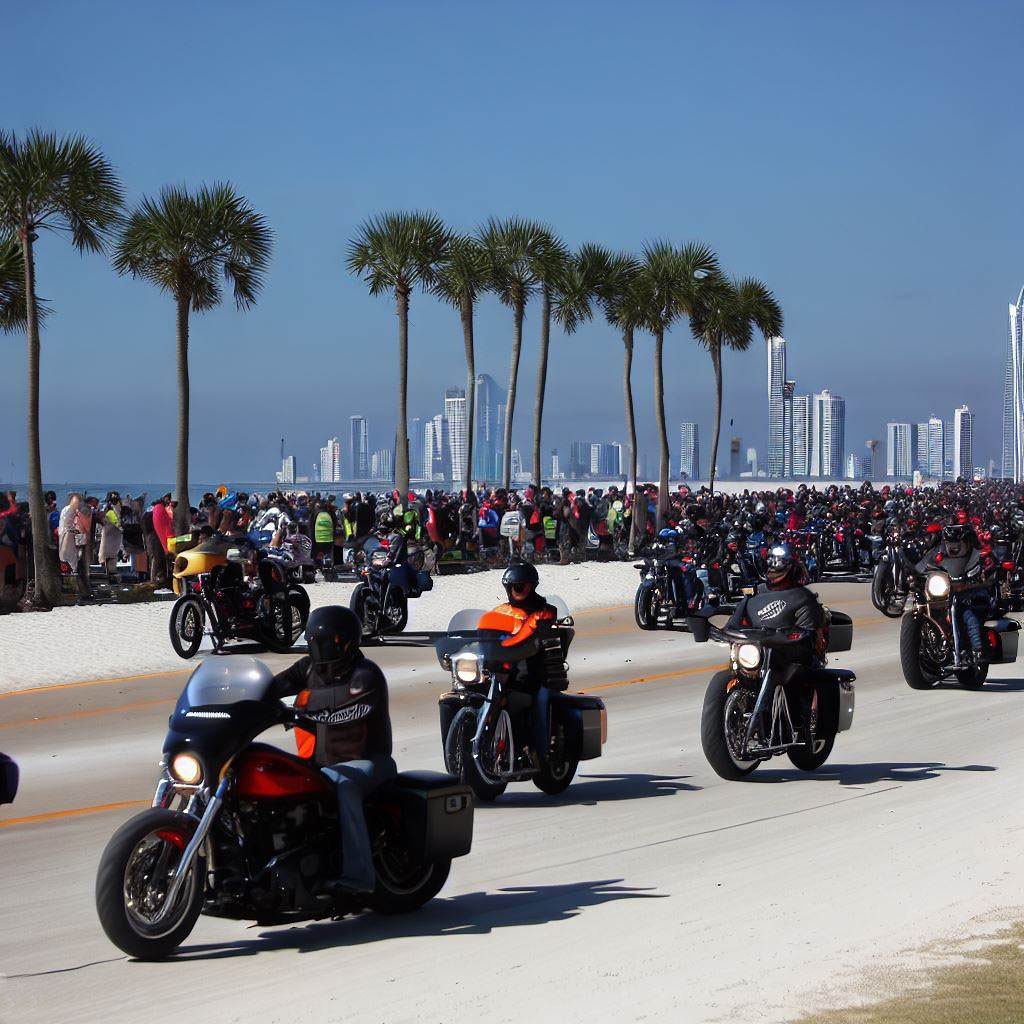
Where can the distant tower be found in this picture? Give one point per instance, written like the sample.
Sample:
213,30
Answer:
872,469
776,407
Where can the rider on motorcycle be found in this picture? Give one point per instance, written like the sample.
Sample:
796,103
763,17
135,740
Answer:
523,614
345,695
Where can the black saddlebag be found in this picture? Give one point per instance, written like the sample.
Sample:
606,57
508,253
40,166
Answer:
437,813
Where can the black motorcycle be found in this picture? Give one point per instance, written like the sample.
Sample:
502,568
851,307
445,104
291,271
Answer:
771,700
243,830
486,717
271,609
932,646
393,575
659,600
890,584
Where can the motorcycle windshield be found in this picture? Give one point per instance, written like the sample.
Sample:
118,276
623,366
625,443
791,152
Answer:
464,621
227,681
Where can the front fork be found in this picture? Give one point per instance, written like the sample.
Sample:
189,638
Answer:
483,723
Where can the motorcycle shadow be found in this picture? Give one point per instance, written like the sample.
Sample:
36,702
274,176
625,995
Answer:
591,790
865,774
991,686
474,913
254,648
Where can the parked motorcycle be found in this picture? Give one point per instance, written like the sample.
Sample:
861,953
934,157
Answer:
243,830
393,576
932,647
270,609
485,717
748,715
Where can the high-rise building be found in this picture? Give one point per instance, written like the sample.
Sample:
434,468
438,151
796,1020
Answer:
776,461
556,473
919,438
735,469
853,467
801,447
947,449
416,438
359,448
380,465
579,459
287,472
828,434
963,443
488,414
934,449
899,451
455,414
787,427
436,449
620,460
872,468
330,462
689,451
516,464
1012,467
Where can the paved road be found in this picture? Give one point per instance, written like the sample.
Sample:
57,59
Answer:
651,889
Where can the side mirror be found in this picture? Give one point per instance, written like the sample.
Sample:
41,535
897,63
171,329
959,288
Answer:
8,780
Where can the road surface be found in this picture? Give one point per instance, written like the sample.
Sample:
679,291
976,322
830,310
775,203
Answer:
650,890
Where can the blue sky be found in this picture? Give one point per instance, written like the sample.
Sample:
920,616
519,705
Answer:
863,159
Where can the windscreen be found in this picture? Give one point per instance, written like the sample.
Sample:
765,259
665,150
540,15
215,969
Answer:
465,620
560,606
227,681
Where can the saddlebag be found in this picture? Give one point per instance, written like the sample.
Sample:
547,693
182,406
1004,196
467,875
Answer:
840,633
437,814
1007,634
591,721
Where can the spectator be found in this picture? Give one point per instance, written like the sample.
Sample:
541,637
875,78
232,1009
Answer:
71,540
111,535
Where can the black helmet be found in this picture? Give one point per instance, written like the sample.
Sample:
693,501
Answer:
520,581
780,564
333,634
956,540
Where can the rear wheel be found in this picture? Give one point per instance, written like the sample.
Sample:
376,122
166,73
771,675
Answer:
645,608
186,626
728,705
277,623
824,715
403,885
458,754
973,678
299,600
556,777
917,671
395,616
133,879
357,603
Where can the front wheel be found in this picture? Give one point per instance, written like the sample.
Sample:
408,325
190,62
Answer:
918,675
728,705
299,600
277,623
133,879
645,608
186,626
458,755
883,592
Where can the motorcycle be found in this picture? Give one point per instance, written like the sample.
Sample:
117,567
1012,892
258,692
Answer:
931,645
748,717
393,576
890,578
485,717
654,606
223,603
244,830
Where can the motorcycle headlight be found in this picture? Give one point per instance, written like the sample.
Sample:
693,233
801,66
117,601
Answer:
466,670
747,656
187,769
937,585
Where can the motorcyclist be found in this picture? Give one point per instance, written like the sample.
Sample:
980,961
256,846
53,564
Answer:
343,696
525,612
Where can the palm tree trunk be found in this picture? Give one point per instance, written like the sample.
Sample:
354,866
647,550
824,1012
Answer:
627,385
659,405
402,427
467,337
542,379
510,401
182,517
46,591
716,362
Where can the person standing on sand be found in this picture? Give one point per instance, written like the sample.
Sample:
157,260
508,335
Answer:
71,544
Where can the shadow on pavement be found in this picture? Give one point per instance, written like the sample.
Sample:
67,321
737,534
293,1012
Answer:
863,774
594,789
991,686
475,913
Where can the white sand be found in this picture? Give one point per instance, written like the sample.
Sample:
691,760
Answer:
101,641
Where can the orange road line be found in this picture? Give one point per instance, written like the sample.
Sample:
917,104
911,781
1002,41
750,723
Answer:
32,691
86,714
692,671
35,819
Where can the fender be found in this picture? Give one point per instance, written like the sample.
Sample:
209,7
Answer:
836,692
448,704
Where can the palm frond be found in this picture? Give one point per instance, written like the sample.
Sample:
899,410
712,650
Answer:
398,250
463,273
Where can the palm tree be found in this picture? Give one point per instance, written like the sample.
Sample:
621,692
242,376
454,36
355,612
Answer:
551,266
185,243
394,252
726,315
462,274
512,246
61,185
671,280
624,303
12,286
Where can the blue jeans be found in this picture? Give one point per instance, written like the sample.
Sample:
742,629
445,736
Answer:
353,782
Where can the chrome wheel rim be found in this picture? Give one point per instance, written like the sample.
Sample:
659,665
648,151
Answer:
147,876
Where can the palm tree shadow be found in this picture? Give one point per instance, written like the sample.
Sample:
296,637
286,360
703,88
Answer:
601,789
475,913
865,774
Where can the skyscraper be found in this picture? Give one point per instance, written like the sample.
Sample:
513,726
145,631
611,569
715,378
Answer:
488,412
787,427
735,444
330,462
620,460
380,465
872,469
776,460
828,434
1012,466
689,451
359,448
579,459
455,414
802,421
899,451
963,443
436,449
936,449
919,433
556,473
416,439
